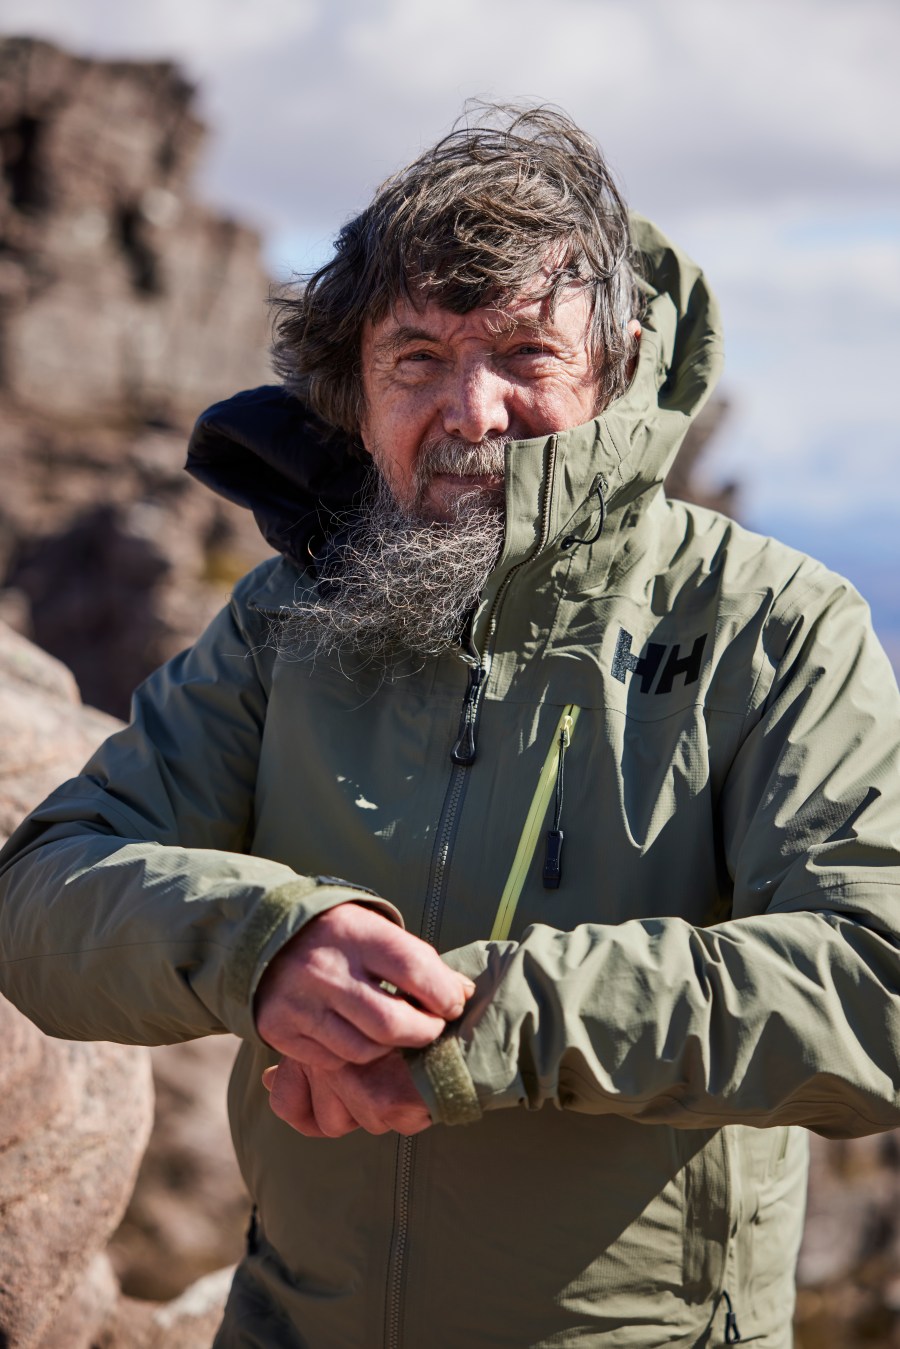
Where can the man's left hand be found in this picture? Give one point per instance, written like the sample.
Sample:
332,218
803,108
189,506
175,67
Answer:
379,1097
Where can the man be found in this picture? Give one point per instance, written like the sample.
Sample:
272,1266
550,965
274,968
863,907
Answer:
630,768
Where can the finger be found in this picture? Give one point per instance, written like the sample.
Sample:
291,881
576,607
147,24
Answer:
311,1053
361,1023
409,1124
387,952
382,1097
331,1114
387,1019
323,1038
290,1100
417,970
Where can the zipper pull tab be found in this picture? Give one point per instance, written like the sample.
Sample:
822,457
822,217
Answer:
732,1334
552,873
463,752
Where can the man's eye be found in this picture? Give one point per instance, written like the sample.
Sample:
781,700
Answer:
417,356
531,349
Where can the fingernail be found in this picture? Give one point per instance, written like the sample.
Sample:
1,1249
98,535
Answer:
456,1010
468,985
268,1077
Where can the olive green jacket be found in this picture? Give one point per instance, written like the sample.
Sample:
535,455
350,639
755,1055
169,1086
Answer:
612,1162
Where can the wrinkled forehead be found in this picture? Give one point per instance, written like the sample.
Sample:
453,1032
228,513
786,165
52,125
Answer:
544,307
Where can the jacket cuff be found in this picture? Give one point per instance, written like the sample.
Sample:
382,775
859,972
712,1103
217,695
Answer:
278,916
445,1083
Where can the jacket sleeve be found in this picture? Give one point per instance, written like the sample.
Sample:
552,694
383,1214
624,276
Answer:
130,906
788,1013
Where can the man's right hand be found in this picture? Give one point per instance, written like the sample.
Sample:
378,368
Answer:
322,1001
379,1097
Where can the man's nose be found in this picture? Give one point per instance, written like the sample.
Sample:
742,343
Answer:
475,404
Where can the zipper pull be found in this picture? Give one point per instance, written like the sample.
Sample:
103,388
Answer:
463,752
553,859
552,873
732,1334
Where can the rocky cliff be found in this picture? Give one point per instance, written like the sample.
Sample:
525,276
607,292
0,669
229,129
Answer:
126,306
75,1118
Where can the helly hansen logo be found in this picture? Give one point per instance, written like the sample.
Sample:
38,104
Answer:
647,666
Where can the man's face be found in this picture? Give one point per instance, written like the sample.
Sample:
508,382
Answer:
432,376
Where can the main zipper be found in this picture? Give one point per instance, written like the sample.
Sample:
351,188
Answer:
465,748
462,756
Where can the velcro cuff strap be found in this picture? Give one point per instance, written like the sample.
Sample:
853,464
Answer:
451,1082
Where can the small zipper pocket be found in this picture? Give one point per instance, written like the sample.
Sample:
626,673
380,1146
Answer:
549,781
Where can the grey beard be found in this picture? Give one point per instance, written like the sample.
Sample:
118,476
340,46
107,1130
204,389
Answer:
402,585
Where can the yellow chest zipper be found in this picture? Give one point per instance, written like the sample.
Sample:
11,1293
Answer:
531,833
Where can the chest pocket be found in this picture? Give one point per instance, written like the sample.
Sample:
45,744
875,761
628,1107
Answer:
616,821
539,833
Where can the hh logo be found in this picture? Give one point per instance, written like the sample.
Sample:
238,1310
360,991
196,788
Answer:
647,666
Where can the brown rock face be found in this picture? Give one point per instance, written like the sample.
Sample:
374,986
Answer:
187,1322
126,307
849,1271
74,1118
69,1153
45,733
189,1211
125,299
687,480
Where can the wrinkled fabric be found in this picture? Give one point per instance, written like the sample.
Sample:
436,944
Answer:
718,965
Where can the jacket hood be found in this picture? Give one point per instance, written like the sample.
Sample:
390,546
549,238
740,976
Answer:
263,449
679,364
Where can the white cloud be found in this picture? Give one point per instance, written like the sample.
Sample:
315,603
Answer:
812,319
201,33
313,102
765,133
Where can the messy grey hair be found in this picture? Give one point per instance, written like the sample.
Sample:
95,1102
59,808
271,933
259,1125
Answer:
469,223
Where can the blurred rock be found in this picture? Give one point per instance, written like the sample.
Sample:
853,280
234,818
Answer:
188,1322
74,1118
87,1308
124,298
110,555
190,1210
45,732
126,307
688,477
849,1270
74,1122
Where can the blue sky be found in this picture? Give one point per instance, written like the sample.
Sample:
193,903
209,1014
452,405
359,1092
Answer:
763,135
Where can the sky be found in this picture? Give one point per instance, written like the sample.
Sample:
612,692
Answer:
762,135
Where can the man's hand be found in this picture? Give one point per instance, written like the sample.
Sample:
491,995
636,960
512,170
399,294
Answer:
322,1001
378,1097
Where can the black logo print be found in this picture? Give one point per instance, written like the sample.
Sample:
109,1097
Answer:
647,666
